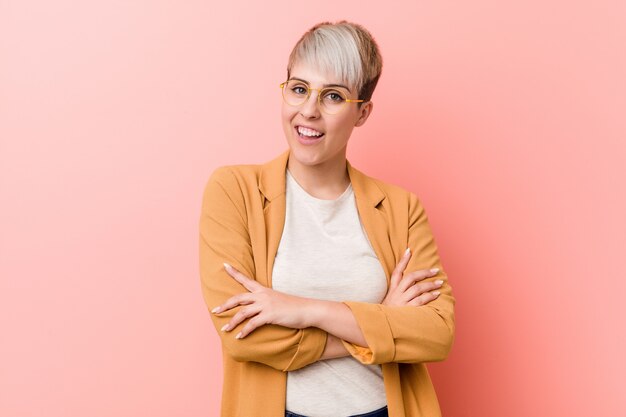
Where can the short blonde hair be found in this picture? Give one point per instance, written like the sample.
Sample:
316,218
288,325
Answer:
344,49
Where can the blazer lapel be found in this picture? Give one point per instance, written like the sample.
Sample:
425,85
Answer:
369,201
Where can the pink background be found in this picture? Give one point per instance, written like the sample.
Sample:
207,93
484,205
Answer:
506,119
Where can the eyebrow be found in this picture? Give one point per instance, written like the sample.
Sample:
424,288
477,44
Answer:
324,86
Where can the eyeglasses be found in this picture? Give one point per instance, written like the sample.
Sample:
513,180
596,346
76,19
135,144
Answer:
332,100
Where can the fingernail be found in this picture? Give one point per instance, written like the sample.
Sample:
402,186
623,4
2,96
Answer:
436,292
224,327
434,270
439,282
215,310
238,336
227,266
407,251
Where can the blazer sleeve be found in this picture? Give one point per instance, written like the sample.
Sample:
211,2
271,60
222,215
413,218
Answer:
224,237
409,334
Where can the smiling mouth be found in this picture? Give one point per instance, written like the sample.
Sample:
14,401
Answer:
307,133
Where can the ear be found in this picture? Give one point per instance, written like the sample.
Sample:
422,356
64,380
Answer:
364,113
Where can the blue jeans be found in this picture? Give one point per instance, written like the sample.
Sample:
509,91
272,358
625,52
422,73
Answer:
381,412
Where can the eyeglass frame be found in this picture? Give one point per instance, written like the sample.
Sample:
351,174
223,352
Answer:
319,95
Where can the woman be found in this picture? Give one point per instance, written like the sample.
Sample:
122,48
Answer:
324,284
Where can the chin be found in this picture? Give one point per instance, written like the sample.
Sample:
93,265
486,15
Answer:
304,155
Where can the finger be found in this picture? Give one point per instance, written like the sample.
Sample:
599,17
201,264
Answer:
241,315
396,275
415,276
250,284
235,300
424,298
420,288
252,324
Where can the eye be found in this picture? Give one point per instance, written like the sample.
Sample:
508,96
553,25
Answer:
334,96
299,89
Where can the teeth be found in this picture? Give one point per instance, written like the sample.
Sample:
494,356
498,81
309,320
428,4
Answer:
305,131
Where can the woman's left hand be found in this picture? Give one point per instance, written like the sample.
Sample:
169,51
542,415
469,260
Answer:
264,306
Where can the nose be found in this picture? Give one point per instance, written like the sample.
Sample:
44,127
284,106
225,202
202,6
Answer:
310,108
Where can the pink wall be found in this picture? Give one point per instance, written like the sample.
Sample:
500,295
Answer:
506,119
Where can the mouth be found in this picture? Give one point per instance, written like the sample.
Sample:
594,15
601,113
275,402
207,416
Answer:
308,133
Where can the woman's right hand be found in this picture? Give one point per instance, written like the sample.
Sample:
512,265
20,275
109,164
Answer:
405,289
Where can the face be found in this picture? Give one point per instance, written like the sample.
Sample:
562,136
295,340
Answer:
299,122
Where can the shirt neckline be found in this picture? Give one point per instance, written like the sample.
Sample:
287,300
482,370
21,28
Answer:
297,185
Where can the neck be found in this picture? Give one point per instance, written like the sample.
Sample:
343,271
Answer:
326,180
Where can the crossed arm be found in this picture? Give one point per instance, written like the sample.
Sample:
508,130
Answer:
262,305
413,323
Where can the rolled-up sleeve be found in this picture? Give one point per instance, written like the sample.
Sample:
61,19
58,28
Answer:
409,334
224,237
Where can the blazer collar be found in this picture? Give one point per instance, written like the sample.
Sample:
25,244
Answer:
272,181
368,196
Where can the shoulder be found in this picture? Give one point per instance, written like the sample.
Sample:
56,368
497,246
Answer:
394,193
230,187
236,176
401,204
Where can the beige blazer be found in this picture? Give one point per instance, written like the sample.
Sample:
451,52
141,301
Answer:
242,218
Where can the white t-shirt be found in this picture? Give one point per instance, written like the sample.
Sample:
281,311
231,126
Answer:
324,253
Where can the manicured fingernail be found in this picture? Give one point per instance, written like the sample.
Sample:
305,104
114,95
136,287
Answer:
215,310
239,336
434,270
227,266
407,251
224,327
436,292
439,282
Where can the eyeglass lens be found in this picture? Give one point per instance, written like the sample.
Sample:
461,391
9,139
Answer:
331,100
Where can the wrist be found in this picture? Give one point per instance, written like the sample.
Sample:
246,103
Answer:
334,348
